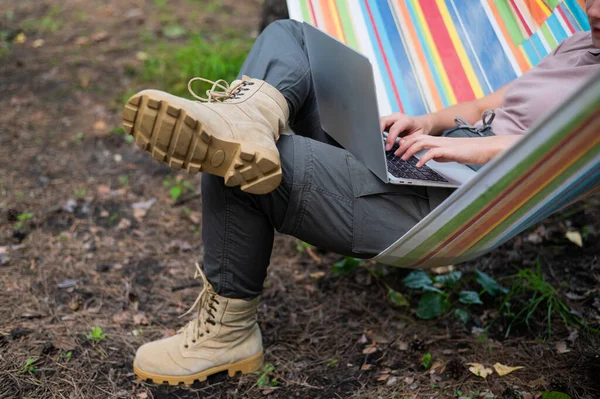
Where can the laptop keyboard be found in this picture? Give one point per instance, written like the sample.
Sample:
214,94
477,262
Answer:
408,169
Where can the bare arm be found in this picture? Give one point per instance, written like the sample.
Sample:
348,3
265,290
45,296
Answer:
471,111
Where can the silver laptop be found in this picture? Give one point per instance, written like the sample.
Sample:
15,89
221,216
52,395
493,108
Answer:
345,92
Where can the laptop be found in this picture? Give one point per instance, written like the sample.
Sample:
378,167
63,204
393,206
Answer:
345,92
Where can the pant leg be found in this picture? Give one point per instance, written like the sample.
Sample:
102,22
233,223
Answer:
279,57
327,198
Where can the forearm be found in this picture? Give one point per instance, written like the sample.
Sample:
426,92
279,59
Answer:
470,111
444,119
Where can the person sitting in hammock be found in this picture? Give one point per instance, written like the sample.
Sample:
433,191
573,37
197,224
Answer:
304,185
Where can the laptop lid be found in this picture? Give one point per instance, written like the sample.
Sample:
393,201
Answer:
345,92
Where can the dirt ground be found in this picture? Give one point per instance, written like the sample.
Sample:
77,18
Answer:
90,252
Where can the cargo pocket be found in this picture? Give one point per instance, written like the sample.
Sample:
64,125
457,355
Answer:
382,212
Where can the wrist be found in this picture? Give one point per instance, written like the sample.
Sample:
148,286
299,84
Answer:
427,123
502,142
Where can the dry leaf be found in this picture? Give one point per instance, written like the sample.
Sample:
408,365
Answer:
317,275
121,317
479,370
38,43
383,377
366,367
403,346
538,383
574,237
20,38
409,380
369,349
140,318
503,370
142,56
99,125
103,189
139,214
561,347
142,395
81,41
436,365
100,36
194,217
124,224
443,269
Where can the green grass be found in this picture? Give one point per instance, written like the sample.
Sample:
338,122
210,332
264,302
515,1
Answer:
530,295
170,66
96,335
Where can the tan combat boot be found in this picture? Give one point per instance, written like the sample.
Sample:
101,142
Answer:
223,336
231,133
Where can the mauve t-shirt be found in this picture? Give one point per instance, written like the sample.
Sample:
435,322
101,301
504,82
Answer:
546,85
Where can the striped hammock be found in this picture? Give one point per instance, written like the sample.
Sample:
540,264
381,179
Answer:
429,54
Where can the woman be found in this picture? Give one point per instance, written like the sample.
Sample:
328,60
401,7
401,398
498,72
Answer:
308,187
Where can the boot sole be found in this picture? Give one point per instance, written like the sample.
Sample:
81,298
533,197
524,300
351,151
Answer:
245,366
176,138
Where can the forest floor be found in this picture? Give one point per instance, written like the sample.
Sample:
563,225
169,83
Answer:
92,237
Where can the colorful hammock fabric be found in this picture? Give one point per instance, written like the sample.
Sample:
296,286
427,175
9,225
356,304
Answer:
556,163
430,54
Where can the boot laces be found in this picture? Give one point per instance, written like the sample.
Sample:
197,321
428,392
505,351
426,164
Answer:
204,307
220,91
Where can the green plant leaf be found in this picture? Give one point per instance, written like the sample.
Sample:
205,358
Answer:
431,305
489,284
345,267
397,298
448,280
176,192
426,361
461,315
263,380
469,298
25,216
431,288
174,31
555,395
417,280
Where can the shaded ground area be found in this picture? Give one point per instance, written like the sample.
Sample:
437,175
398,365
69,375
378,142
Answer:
90,236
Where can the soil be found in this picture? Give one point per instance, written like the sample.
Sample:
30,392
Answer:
87,258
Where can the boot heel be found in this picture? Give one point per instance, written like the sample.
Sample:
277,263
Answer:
249,365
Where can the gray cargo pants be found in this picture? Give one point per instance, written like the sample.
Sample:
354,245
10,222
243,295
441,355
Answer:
327,198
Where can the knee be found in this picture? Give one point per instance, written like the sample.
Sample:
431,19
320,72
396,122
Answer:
290,26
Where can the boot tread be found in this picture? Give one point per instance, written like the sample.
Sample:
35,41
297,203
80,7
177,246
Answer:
172,136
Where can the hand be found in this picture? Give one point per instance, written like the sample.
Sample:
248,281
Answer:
473,150
398,124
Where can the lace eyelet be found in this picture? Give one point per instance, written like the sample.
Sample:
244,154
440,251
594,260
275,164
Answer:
193,341
186,346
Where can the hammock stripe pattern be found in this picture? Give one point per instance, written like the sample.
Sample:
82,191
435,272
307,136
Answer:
430,54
